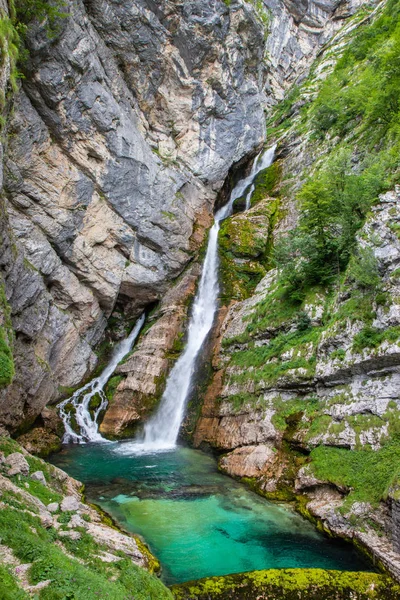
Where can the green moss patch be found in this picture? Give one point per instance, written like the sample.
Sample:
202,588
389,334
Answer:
367,473
290,584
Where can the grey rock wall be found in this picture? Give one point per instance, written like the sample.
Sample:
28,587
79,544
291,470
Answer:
298,31
126,125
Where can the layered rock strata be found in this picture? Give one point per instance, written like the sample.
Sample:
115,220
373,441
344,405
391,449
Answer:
330,387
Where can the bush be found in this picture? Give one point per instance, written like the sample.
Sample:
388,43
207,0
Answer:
364,271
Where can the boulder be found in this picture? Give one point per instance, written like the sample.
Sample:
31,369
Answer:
38,476
53,507
69,503
18,464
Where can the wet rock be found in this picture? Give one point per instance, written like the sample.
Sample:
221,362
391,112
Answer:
248,461
40,441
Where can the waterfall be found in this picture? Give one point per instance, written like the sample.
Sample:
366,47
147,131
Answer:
161,431
80,400
259,164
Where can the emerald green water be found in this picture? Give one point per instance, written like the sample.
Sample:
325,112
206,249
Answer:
197,521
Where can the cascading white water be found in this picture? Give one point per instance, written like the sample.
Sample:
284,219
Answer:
161,431
80,400
259,164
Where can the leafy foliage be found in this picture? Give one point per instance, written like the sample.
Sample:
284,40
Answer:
333,206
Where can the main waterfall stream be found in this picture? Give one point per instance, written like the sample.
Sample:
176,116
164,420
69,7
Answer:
197,521
161,431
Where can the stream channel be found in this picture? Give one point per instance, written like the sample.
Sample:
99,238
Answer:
197,522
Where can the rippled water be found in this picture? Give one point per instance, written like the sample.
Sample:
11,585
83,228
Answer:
197,521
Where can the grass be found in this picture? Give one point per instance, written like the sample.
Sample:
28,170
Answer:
368,474
46,494
371,337
88,579
9,588
7,368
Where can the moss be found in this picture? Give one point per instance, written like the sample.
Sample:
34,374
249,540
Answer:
7,368
266,183
290,584
152,563
245,245
111,386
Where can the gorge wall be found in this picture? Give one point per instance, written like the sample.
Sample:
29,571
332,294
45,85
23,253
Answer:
304,396
123,129
126,124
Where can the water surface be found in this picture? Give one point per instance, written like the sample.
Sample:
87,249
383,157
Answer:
197,521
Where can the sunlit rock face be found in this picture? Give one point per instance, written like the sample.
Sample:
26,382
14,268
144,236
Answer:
126,125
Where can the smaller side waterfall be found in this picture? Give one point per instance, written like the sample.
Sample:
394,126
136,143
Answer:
260,163
161,431
80,400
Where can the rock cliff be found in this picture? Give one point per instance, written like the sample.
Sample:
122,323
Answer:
128,119
303,400
126,124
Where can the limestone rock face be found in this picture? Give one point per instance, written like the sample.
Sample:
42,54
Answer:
357,388
125,128
143,373
298,30
336,388
248,461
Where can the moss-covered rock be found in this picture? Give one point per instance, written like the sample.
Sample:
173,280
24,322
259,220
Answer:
245,242
291,584
266,183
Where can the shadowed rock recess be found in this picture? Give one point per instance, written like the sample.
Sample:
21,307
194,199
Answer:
124,123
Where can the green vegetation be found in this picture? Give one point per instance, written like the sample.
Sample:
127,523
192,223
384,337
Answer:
13,30
355,119
333,206
245,244
266,183
7,369
368,474
44,493
111,386
9,588
73,566
370,337
290,584
6,360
